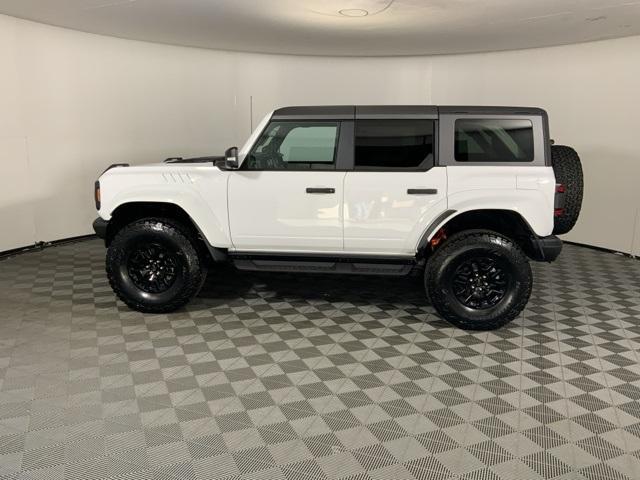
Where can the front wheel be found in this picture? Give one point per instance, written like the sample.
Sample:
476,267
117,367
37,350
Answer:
478,280
153,265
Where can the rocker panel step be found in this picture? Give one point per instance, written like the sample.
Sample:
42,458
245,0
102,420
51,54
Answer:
394,266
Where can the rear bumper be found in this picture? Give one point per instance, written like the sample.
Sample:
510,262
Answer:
545,249
100,227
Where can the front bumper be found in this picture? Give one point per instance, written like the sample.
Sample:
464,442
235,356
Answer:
100,227
544,249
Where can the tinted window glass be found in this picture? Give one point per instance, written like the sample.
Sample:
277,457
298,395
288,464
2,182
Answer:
295,146
485,140
394,144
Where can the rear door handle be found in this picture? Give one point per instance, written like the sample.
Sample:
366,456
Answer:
422,191
320,190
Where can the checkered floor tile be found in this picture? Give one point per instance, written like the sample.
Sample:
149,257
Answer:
277,376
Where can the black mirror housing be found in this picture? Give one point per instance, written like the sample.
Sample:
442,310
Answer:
231,158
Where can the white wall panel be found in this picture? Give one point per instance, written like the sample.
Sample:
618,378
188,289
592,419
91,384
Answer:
16,210
636,237
17,199
81,102
72,103
288,80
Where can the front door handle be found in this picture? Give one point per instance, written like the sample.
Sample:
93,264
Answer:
320,190
422,191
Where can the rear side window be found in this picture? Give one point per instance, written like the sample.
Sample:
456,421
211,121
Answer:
494,140
394,144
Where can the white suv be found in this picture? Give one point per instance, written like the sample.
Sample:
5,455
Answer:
466,194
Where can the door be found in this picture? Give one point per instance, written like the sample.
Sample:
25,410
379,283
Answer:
395,190
287,195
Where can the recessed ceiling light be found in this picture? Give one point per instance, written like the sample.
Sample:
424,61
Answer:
353,12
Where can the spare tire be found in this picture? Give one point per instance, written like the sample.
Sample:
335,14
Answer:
568,172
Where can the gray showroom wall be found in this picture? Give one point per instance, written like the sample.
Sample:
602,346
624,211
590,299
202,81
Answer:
71,103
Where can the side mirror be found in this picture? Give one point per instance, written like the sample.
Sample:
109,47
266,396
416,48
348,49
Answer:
231,158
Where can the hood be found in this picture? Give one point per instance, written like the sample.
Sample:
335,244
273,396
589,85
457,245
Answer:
172,161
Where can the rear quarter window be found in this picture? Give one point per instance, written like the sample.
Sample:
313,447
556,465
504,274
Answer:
494,140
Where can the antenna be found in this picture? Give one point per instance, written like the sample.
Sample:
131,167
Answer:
251,113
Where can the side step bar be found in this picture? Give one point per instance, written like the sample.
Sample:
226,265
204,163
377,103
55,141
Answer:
323,264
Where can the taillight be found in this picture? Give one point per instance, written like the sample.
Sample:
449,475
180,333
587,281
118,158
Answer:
96,194
558,210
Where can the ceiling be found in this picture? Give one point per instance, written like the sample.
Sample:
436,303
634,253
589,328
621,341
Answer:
365,27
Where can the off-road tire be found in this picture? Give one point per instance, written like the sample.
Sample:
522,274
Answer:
190,270
568,171
463,247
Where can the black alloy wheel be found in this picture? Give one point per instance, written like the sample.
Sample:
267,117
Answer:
152,267
480,282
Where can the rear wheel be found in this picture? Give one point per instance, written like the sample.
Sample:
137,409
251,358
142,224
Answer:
153,265
478,280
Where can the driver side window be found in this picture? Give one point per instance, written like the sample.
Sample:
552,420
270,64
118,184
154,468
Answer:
293,145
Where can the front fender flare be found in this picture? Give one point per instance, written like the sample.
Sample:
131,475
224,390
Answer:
212,228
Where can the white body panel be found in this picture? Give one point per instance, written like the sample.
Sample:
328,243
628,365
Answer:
381,217
271,211
199,189
526,190
369,213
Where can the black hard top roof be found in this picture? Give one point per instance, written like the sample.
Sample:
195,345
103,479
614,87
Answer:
349,112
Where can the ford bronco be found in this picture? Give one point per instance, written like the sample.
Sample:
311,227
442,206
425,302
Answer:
464,196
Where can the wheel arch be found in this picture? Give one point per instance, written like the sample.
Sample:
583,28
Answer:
507,222
129,212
